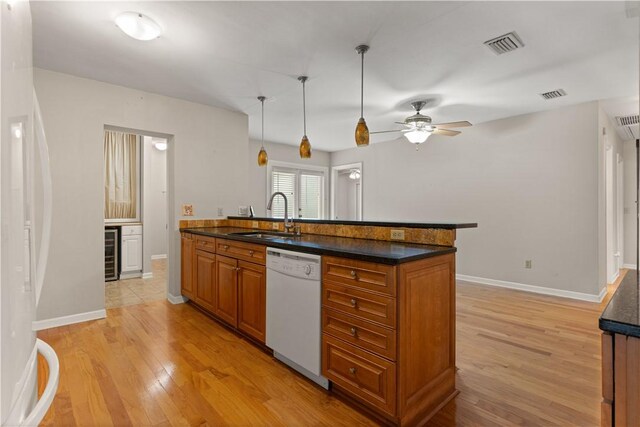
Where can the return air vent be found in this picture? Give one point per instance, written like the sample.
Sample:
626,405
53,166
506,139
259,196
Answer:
627,120
553,94
504,43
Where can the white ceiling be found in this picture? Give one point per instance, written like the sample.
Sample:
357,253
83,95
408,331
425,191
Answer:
227,53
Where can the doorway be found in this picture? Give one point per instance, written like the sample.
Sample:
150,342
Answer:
136,244
346,192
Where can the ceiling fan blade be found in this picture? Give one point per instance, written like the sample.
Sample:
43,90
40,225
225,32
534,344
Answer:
386,131
401,123
446,132
462,124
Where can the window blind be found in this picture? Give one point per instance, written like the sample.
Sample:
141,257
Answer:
285,182
310,196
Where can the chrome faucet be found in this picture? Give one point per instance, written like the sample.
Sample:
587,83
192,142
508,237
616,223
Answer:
288,222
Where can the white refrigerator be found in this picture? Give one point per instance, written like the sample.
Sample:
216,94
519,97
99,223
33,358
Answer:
23,157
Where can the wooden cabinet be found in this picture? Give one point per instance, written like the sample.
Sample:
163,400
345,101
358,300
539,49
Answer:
187,260
388,334
225,283
205,279
252,297
620,380
226,292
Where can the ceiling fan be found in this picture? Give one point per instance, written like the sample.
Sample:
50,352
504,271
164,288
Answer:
418,127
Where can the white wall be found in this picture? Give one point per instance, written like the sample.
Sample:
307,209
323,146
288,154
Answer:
530,182
207,167
630,225
257,192
154,209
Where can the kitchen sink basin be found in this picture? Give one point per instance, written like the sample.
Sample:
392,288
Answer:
267,236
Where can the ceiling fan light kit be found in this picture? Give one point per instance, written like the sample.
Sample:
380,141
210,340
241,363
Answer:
262,154
305,145
362,131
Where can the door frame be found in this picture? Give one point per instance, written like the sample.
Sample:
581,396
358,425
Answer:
335,170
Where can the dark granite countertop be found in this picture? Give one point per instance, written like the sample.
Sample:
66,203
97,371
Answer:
444,225
361,249
622,315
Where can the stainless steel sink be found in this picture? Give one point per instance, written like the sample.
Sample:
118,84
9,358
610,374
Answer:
267,236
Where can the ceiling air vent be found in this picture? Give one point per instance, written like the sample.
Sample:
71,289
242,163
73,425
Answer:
628,120
504,43
553,94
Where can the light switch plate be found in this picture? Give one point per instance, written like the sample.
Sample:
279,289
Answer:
187,210
397,234
220,212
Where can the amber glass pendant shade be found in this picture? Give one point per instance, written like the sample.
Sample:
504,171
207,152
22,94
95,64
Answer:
305,148
362,133
262,157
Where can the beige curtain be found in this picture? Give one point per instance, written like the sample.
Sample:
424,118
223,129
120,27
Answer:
120,175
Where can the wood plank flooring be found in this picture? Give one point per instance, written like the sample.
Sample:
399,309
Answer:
523,359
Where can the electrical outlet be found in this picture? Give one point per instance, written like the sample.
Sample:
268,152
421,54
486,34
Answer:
254,224
275,226
397,234
220,212
527,264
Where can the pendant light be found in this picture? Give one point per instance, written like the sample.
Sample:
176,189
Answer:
362,131
305,146
262,155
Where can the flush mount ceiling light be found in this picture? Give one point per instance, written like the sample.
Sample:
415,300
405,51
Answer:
262,155
362,131
355,174
161,145
305,145
138,26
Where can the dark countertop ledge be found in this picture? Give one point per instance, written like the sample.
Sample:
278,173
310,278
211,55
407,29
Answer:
622,314
443,225
361,249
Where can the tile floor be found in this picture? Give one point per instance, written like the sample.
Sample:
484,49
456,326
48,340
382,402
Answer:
121,293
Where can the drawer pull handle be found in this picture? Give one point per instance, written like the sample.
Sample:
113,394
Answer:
354,302
354,275
251,253
354,332
225,247
238,268
352,370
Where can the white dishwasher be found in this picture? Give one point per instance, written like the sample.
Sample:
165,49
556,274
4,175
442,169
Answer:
293,311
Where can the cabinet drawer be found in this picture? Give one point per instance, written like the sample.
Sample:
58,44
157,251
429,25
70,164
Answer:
375,338
366,305
241,250
131,230
207,244
369,377
366,275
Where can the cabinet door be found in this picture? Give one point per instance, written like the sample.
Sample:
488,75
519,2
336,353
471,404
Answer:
131,254
205,279
252,294
226,290
187,260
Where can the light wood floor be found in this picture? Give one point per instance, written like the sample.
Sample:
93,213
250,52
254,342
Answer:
120,293
524,359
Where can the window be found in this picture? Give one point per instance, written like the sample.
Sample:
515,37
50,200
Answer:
121,176
303,186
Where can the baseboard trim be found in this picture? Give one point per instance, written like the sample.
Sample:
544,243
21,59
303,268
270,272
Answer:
39,325
534,289
160,256
615,277
629,266
173,299
147,275
126,276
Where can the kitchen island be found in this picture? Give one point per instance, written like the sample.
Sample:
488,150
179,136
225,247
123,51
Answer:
620,325
388,307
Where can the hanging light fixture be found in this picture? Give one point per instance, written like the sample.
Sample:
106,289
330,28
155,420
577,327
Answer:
305,145
262,154
362,131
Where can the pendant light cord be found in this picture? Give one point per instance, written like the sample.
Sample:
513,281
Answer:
262,101
362,86
304,108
